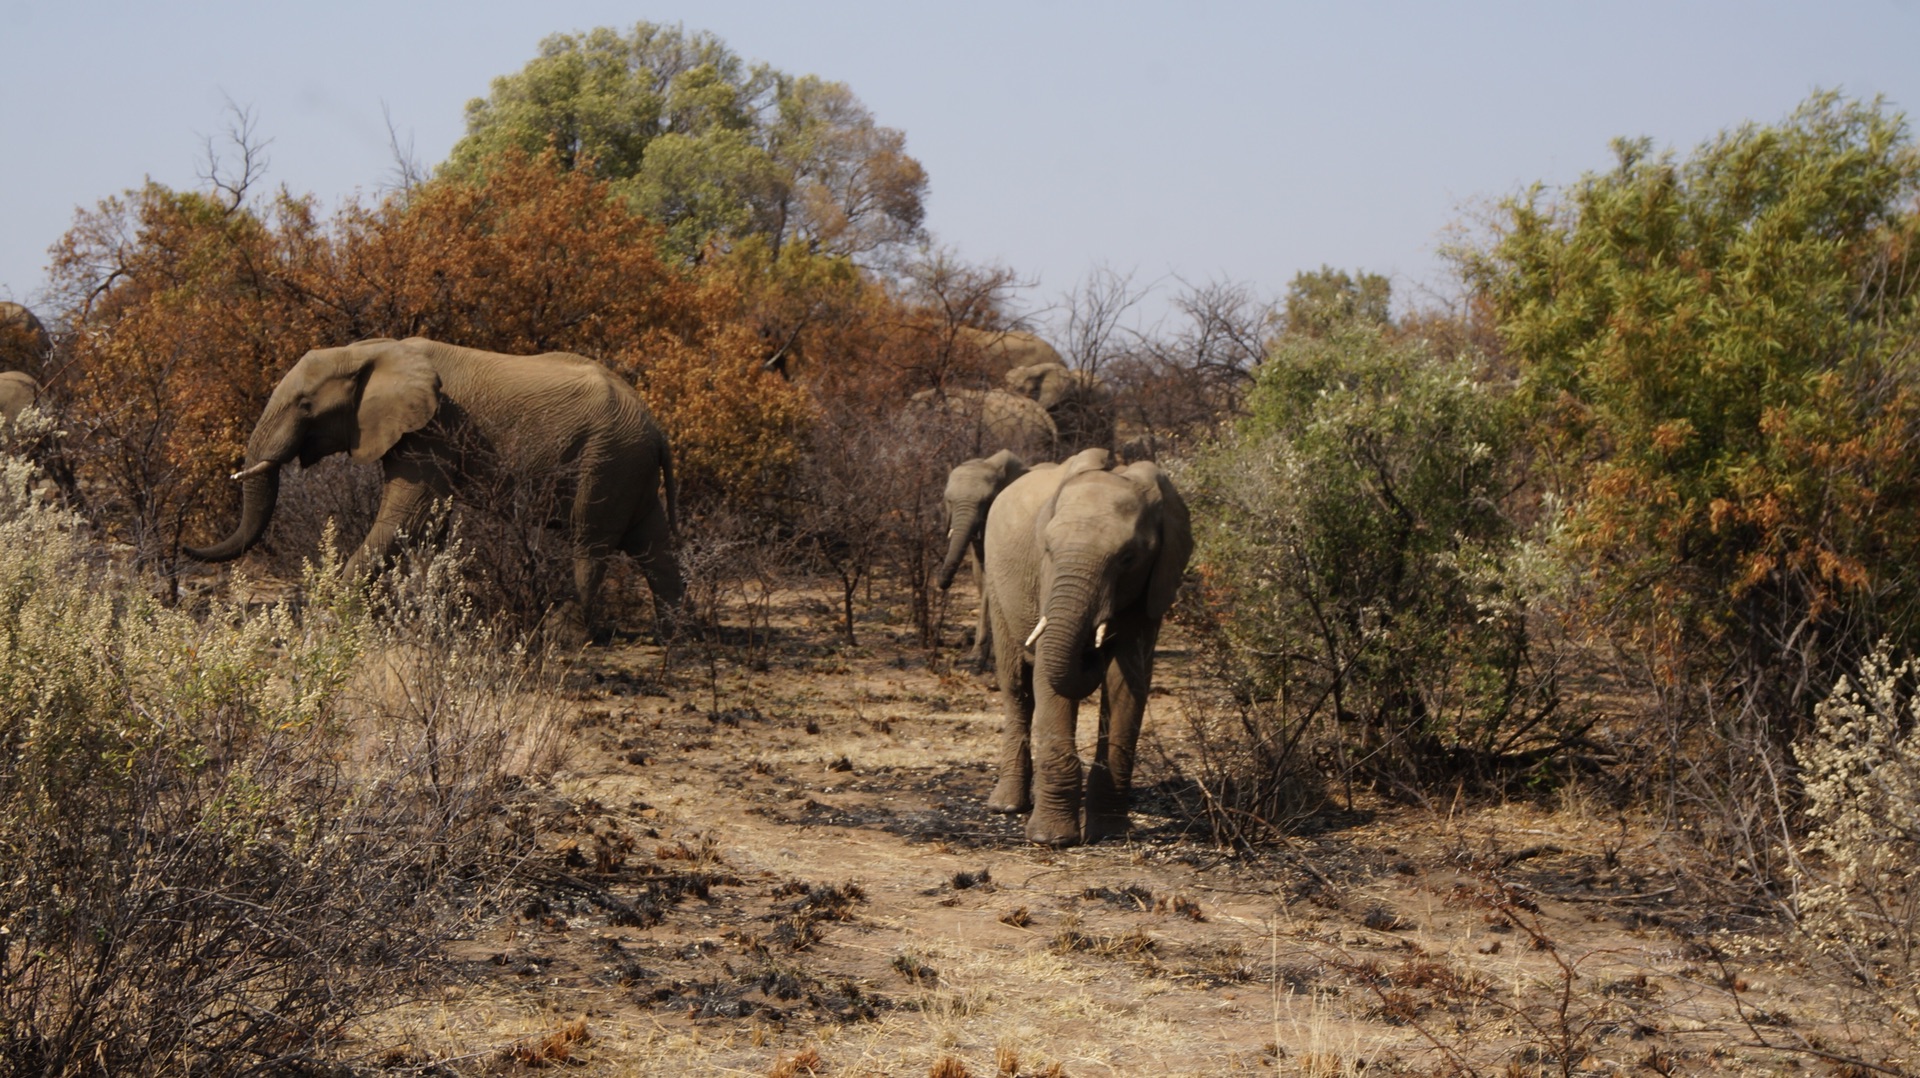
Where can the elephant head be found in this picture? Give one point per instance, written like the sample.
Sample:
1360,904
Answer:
971,488
360,399
1113,547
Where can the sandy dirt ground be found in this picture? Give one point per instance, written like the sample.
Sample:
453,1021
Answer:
777,861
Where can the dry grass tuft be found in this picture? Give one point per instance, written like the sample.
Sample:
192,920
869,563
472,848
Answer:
801,1064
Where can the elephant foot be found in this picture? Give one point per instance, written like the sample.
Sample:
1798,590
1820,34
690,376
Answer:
1104,825
1056,830
1010,796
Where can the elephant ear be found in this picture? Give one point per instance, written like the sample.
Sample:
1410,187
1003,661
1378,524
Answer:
400,392
1176,535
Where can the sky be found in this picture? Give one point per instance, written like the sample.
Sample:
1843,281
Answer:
1170,142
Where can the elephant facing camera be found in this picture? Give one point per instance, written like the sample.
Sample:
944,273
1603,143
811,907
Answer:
1083,562
553,459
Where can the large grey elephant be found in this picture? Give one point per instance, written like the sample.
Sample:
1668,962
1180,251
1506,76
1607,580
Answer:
998,419
1080,403
971,488
24,342
17,391
437,416
1082,564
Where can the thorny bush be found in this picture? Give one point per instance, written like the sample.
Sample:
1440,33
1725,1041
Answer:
231,833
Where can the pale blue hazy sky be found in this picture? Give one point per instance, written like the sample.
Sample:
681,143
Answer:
1234,141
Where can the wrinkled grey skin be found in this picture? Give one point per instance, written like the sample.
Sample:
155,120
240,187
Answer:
17,391
437,416
1086,547
1001,420
1080,403
971,488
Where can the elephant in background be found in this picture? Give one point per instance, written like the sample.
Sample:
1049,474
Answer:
17,391
1079,402
1000,420
971,488
24,342
1002,350
1082,564
438,417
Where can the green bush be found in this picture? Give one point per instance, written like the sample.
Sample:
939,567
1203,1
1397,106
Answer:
227,834
1717,352
1359,567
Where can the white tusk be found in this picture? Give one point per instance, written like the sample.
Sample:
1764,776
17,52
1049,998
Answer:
1037,630
253,469
1100,634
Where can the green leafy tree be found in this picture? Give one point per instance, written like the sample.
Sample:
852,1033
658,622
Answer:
712,148
1318,302
1718,351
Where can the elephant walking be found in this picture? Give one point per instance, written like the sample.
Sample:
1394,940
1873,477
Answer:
1082,564
438,416
971,488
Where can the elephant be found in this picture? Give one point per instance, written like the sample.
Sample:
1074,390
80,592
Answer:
17,391
24,343
1000,419
971,488
438,417
1079,402
1083,562
1002,350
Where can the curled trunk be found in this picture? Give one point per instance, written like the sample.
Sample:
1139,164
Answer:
258,495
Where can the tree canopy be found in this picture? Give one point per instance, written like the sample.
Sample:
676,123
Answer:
711,147
1719,353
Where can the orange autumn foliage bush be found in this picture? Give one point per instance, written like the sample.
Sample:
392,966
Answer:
187,308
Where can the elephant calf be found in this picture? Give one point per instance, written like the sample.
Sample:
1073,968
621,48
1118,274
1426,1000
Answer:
1082,564
971,488
437,416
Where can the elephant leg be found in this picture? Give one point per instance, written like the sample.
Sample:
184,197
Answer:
1123,702
1056,764
983,632
1013,793
651,545
411,484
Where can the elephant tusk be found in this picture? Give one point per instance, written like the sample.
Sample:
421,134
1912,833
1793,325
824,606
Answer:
1099,634
253,469
1037,630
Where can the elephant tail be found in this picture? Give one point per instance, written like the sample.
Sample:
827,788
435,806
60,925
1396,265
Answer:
673,487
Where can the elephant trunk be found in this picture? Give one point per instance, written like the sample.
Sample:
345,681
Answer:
273,442
1065,654
261,491
966,528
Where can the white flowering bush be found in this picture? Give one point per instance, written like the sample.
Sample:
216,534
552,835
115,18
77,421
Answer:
1858,865
227,832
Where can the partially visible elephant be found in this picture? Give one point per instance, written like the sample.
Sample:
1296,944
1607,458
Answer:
24,343
17,391
1002,350
971,488
438,416
1080,403
1082,565
1000,420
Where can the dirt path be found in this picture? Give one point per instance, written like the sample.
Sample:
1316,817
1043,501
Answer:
790,871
